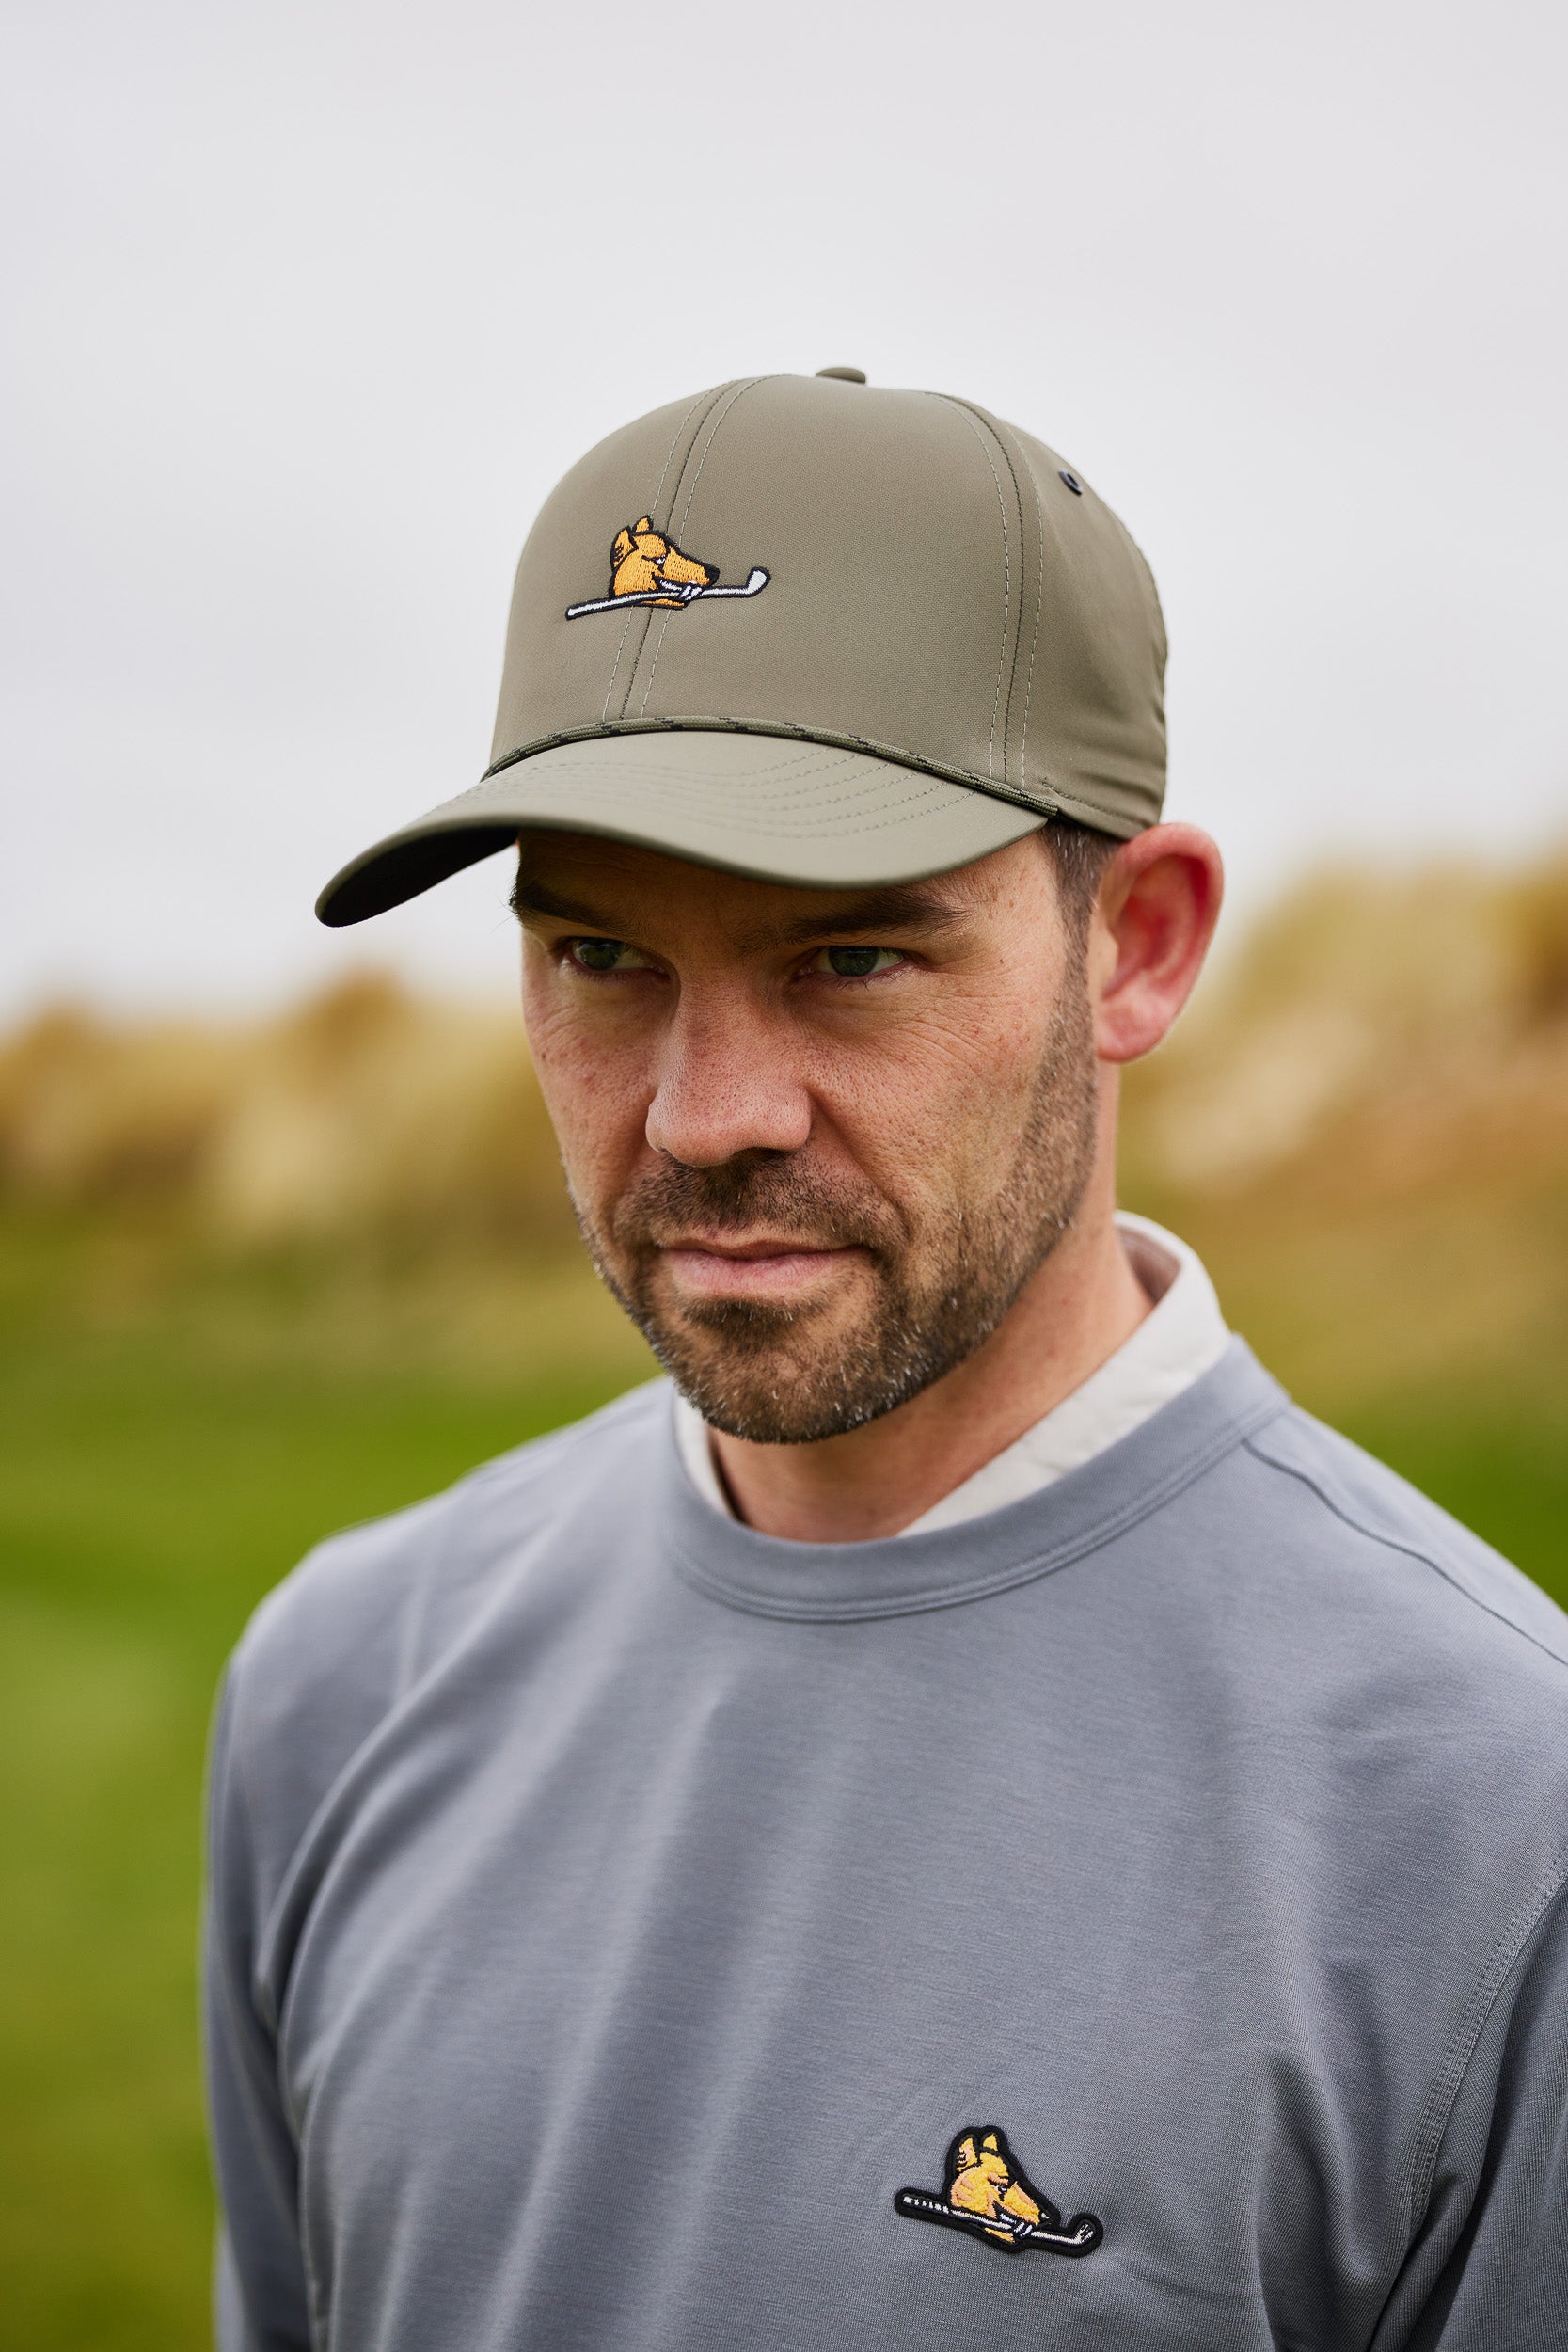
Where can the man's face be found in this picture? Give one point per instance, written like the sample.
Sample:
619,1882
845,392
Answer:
818,1140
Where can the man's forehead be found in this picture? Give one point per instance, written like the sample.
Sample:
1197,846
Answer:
579,878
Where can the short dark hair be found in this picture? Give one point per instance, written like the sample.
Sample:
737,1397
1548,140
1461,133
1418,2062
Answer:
1079,855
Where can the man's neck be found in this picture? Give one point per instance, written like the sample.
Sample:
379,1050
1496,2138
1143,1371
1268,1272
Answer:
1074,1312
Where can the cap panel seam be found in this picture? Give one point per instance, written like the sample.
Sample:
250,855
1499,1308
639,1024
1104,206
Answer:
738,392
711,398
1007,443
658,492
969,417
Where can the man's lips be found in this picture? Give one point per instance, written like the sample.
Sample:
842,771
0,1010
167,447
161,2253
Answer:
765,1266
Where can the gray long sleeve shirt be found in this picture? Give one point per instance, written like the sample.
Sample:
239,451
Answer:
613,1911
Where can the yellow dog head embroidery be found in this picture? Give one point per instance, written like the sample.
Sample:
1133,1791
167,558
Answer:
983,2181
987,2192
647,568
642,558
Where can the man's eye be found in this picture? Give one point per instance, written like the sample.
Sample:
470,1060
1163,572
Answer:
855,963
605,955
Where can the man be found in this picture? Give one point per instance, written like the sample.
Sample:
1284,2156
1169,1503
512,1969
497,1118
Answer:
965,1818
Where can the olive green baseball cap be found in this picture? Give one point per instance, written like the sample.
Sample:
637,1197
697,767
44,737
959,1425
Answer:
808,630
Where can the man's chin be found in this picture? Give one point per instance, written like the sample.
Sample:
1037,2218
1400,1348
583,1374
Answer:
765,1412
840,1354
762,1373
775,1376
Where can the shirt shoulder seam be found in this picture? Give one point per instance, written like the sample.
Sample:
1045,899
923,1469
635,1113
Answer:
1392,1543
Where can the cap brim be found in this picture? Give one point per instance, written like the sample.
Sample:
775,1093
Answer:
774,808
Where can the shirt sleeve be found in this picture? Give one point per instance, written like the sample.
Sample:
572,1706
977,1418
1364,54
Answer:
263,2304
1495,2250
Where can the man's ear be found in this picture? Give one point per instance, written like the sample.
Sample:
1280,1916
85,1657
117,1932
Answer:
1158,902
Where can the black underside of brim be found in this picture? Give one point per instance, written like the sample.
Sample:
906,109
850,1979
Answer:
387,877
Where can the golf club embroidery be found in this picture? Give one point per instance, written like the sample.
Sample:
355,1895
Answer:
645,567
987,2193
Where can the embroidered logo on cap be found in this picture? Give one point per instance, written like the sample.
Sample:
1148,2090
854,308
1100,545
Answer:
987,2193
645,567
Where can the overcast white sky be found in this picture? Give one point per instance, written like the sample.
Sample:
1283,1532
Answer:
306,306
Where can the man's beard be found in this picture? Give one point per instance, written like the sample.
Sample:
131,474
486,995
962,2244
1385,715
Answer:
768,1373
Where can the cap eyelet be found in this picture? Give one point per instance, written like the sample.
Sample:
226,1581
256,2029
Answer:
1073,482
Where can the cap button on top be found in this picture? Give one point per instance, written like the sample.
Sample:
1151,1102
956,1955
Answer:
845,375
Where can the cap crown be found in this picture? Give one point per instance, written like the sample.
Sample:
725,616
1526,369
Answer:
936,593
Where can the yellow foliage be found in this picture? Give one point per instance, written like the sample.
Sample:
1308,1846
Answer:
1362,1124
366,1111
1378,1031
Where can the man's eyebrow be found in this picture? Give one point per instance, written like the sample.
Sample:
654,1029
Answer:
892,909
537,897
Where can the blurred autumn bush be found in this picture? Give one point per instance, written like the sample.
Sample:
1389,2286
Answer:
1362,1122
366,1111
1363,1125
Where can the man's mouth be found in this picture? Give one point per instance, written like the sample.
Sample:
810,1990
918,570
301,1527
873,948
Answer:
762,1266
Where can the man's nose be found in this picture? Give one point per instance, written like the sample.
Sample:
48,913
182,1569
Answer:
727,1084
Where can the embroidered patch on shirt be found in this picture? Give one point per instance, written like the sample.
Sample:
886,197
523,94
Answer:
645,567
987,2193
